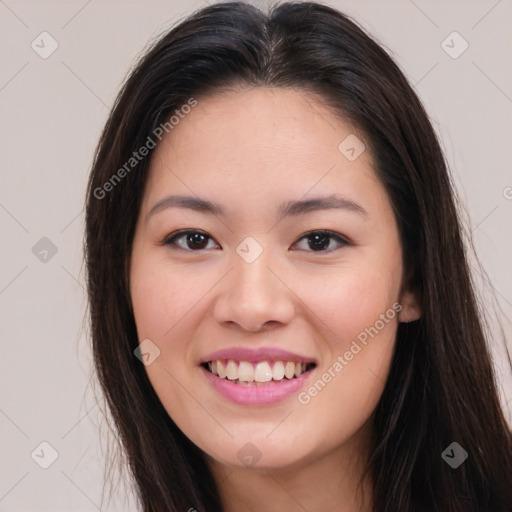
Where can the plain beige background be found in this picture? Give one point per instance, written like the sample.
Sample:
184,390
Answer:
52,111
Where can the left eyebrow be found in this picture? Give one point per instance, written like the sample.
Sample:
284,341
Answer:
320,203
290,208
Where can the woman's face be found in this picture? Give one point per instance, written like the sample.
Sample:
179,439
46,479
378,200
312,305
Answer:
256,285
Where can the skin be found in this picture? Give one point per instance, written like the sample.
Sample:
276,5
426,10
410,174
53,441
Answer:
250,150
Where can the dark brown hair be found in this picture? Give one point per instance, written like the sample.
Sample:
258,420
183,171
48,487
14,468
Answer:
441,387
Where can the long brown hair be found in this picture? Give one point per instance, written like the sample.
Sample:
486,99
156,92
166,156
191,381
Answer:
441,387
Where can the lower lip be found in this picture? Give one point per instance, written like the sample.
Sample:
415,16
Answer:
256,395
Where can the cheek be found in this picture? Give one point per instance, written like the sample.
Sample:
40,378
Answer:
352,298
360,308
163,296
167,306
166,302
353,380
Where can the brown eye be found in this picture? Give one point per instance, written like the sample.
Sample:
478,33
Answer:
320,241
188,240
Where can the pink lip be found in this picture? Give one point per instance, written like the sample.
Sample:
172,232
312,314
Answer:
256,395
261,354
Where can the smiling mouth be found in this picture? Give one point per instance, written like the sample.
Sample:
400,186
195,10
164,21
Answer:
258,373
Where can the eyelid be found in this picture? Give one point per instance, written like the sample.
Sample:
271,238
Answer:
169,240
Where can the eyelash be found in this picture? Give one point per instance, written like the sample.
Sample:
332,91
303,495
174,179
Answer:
170,240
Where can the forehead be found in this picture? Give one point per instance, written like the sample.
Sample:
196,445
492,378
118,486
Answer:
259,143
273,121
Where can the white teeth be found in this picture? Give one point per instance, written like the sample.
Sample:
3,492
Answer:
289,370
245,371
278,370
232,370
260,373
221,371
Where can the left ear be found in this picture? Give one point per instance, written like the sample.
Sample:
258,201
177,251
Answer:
411,307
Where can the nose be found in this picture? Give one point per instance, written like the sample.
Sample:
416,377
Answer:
254,297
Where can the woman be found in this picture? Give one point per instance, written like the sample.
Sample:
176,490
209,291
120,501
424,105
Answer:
282,312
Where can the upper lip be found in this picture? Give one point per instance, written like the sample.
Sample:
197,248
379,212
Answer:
260,354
